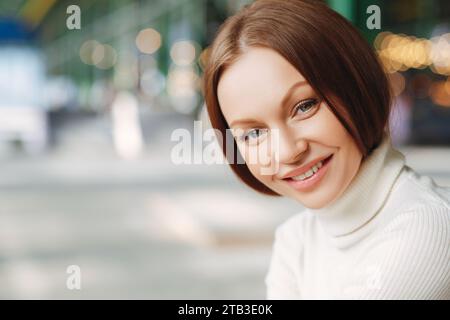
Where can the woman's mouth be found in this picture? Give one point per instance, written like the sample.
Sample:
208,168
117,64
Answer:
309,179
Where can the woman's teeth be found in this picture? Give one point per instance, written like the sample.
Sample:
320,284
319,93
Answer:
309,173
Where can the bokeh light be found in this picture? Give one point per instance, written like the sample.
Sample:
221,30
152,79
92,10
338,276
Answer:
148,41
183,52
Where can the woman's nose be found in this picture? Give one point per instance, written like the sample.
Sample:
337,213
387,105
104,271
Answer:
289,147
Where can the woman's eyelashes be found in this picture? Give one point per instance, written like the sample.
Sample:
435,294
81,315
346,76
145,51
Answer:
305,107
253,135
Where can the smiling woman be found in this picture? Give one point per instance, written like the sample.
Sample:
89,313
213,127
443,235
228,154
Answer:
339,67
264,87
372,227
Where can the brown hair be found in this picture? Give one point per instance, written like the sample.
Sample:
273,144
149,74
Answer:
324,47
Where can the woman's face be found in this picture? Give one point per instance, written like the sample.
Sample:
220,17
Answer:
278,121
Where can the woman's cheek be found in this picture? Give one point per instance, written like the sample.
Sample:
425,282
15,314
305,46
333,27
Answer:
261,173
324,128
259,159
257,166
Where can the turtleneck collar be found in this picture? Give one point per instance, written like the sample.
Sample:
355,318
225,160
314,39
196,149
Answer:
366,194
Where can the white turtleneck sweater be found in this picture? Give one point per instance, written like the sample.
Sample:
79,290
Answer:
386,237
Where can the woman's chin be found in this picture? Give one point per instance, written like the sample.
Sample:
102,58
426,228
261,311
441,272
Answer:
316,199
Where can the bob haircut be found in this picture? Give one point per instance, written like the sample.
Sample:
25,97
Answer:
325,48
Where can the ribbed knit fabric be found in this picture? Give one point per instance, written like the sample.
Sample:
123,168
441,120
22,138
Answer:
386,237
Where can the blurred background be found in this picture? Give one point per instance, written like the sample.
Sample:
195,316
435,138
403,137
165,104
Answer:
86,118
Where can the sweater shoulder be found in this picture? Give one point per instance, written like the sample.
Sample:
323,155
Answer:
417,207
422,219
411,256
418,203
422,233
414,190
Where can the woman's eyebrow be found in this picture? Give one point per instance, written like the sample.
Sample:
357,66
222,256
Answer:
285,99
290,92
242,122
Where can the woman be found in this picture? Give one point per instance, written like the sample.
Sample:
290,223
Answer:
373,228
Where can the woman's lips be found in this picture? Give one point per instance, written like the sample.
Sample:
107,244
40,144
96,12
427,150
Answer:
311,182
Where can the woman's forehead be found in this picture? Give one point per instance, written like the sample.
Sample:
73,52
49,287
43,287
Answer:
259,66
259,77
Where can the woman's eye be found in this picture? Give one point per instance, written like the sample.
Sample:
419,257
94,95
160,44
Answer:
253,135
305,106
